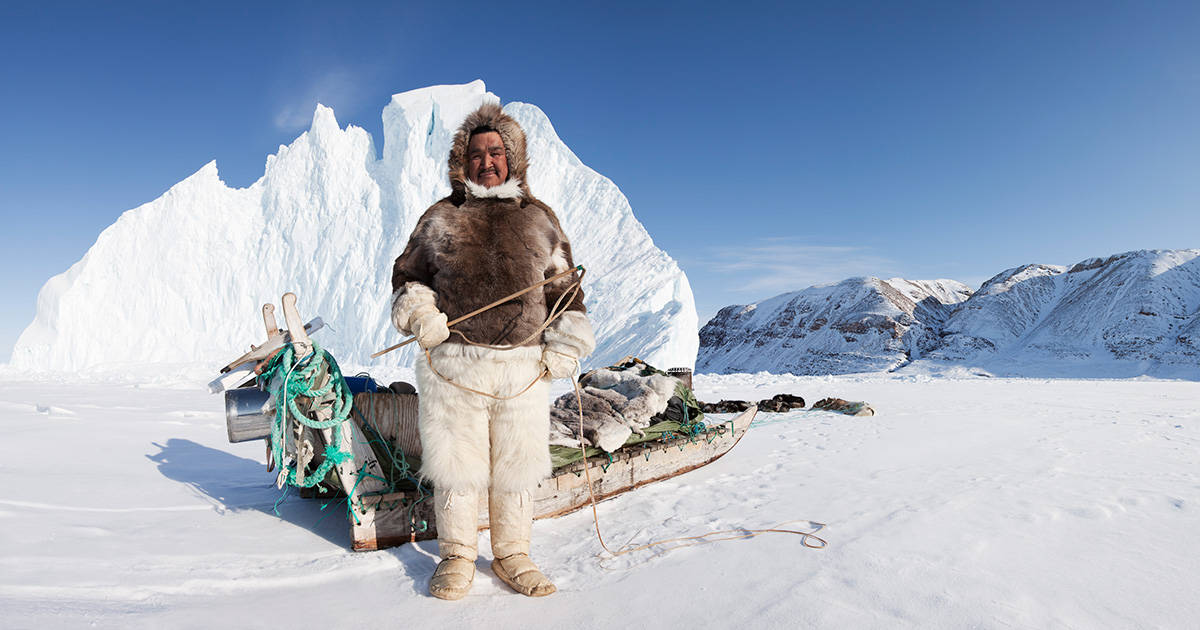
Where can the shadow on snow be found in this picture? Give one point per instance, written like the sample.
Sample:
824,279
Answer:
237,484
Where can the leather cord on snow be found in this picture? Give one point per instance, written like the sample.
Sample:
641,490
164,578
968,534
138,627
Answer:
555,313
727,534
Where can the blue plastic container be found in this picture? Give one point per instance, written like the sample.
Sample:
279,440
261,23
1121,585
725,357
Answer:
360,384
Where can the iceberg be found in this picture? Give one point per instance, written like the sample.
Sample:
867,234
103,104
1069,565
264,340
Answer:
181,279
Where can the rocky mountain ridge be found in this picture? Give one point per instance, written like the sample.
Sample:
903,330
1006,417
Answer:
1132,313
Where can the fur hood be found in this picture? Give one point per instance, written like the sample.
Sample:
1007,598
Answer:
479,244
491,116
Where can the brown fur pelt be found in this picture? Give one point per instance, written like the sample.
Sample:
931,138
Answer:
472,250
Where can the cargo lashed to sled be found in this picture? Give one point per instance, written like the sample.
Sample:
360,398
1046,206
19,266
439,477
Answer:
381,519
389,519
369,453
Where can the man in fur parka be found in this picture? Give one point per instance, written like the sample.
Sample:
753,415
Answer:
488,239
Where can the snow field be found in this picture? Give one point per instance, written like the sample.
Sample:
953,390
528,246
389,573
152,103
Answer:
965,503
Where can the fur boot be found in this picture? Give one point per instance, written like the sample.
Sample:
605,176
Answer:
457,516
511,522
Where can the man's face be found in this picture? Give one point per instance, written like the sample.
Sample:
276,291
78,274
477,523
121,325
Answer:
487,164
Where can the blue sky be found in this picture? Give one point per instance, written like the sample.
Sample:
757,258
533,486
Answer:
767,147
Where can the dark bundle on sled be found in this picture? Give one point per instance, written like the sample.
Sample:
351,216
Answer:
778,403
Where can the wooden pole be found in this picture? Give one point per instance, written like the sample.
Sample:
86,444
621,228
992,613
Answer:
480,310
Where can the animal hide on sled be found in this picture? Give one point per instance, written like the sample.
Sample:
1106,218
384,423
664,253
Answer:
616,404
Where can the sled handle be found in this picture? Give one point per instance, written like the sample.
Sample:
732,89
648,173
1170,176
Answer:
268,311
294,323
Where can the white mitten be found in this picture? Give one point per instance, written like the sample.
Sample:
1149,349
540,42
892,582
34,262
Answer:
430,329
414,312
559,364
571,333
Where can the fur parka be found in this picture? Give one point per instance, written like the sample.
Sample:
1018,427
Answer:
480,244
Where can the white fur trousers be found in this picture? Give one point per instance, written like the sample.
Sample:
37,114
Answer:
470,442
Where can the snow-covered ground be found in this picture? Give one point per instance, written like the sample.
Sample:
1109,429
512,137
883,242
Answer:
988,503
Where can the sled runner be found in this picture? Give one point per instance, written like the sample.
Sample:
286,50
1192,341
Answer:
348,438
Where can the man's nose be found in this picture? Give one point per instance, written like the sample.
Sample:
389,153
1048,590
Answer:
487,161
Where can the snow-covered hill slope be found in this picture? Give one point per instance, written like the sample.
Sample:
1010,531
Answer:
181,279
1138,308
1124,315
857,325
1003,309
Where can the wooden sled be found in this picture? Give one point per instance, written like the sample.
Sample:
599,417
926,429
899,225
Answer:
388,520
380,518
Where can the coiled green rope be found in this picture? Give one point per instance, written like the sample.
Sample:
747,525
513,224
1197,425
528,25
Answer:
306,377
303,378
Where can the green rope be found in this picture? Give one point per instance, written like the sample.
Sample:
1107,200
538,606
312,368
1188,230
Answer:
303,377
300,378
398,470
689,427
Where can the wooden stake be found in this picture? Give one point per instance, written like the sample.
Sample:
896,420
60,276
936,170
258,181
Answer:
269,320
295,325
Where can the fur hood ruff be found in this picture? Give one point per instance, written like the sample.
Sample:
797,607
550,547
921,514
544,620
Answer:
490,116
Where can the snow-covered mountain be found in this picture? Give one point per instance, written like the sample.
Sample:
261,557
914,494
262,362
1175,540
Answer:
857,325
1127,314
182,279
1139,307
